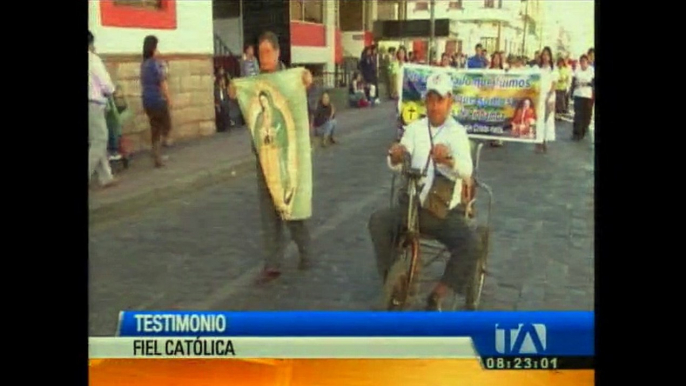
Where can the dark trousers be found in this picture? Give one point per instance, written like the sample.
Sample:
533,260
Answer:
561,102
160,127
583,111
453,231
272,228
222,119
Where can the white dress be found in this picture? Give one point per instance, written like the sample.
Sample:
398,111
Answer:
549,126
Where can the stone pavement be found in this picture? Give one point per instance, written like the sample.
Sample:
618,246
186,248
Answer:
193,165
202,250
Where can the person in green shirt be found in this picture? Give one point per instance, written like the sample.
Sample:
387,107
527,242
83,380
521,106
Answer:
562,89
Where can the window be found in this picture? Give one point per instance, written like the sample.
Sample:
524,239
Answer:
311,11
421,6
455,5
148,4
226,9
489,45
151,14
491,4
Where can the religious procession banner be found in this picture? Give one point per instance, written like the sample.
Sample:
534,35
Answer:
490,104
275,110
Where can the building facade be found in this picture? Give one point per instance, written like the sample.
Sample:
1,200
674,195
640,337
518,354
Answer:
513,26
184,30
190,33
308,30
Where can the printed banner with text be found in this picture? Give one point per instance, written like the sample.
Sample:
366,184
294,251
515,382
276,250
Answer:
490,104
275,110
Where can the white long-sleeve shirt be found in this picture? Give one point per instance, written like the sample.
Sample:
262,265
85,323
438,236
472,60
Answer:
418,143
99,82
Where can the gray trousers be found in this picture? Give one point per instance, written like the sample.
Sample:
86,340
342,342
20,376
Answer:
454,232
97,140
272,228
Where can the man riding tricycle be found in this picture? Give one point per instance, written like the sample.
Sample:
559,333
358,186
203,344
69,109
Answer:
436,200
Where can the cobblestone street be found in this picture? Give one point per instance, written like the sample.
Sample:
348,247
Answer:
202,250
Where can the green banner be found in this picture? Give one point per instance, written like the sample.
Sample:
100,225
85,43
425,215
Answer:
275,110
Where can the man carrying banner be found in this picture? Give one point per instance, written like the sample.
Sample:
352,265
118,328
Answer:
450,161
272,222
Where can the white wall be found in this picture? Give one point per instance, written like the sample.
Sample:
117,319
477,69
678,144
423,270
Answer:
353,43
193,34
300,54
231,32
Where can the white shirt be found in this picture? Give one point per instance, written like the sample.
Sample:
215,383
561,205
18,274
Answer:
584,76
418,143
553,76
99,82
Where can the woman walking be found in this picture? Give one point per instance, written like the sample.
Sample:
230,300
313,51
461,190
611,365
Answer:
156,99
583,98
545,63
562,89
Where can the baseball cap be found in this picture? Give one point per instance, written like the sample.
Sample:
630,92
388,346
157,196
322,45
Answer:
440,83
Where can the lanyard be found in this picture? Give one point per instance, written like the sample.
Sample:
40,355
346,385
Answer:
431,140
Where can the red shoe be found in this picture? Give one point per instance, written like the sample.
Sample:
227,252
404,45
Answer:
267,275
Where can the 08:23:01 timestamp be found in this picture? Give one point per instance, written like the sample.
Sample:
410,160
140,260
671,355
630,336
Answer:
520,363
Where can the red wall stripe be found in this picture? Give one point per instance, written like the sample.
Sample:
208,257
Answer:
133,17
308,34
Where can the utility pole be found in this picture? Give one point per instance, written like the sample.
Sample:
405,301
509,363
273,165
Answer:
402,15
432,39
526,22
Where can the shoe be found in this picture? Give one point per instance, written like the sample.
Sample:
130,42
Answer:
332,140
433,303
267,275
113,182
325,141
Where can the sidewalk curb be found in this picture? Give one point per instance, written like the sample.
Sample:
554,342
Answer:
207,177
111,211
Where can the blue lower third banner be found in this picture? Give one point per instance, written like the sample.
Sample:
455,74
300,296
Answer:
564,333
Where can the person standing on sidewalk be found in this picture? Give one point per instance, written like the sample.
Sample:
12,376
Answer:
100,87
272,223
156,99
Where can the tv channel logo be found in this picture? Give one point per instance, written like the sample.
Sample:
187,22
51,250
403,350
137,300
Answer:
522,338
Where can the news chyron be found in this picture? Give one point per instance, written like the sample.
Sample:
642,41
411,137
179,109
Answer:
499,340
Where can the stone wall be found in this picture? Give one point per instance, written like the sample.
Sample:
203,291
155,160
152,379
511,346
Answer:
191,84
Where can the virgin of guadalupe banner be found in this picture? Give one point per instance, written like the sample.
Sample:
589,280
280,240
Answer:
490,104
275,110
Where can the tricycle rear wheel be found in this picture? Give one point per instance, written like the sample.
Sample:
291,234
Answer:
476,283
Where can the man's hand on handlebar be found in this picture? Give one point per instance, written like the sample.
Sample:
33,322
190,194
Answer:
441,155
397,152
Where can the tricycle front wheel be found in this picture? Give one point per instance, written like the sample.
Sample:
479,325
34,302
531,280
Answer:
398,286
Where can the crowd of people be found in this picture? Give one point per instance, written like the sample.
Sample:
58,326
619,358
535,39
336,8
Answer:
572,80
